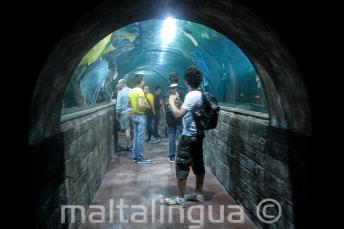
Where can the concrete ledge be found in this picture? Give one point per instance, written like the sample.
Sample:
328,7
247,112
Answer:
78,114
245,112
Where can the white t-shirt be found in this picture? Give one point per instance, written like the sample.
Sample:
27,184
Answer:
192,100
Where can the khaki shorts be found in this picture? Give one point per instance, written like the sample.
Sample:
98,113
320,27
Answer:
124,121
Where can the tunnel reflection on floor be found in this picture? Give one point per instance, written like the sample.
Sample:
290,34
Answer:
146,185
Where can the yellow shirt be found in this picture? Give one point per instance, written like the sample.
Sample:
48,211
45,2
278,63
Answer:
150,98
134,95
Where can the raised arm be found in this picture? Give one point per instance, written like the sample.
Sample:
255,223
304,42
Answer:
178,113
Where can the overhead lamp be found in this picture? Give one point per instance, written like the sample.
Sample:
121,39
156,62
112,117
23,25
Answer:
168,30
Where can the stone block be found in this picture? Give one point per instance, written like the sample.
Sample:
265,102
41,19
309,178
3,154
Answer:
83,127
277,151
278,168
69,135
222,173
71,149
257,156
225,117
247,162
277,188
72,168
87,144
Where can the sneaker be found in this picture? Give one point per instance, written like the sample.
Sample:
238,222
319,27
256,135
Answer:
156,141
174,201
194,197
143,161
172,159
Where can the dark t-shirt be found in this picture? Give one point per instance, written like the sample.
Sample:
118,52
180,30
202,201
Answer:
157,104
170,119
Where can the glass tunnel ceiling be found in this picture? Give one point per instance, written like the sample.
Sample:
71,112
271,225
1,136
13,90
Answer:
157,48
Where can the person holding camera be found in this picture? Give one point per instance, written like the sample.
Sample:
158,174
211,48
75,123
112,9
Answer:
174,125
190,147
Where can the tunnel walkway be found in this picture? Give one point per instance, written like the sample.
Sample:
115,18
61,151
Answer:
147,184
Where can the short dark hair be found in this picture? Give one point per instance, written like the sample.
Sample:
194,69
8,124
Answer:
157,88
193,76
173,77
138,78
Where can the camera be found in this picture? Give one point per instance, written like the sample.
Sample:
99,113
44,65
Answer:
178,101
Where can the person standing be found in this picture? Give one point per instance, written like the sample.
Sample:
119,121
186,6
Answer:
150,113
138,105
190,147
123,111
157,107
117,127
174,125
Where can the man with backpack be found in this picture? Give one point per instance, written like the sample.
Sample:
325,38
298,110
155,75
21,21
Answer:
194,112
174,125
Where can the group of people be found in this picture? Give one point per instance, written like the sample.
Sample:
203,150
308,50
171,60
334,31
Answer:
138,112
137,106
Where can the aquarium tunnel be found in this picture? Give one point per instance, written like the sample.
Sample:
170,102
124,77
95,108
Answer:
255,153
157,48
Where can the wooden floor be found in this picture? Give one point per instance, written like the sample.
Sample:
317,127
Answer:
145,185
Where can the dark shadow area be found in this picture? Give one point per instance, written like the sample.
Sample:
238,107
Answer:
300,175
48,183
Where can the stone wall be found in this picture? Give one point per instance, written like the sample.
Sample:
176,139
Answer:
254,161
70,166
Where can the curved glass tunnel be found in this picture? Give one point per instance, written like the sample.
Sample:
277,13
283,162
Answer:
157,48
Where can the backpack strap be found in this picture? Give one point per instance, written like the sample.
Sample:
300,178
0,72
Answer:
149,103
198,129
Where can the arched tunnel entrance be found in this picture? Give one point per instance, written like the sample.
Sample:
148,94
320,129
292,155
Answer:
253,155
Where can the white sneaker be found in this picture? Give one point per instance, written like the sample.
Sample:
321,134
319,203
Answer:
156,141
174,201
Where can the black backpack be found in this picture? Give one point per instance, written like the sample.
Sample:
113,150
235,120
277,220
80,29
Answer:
206,116
170,119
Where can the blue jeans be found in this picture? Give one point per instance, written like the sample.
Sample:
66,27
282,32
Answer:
156,123
150,130
139,122
172,133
